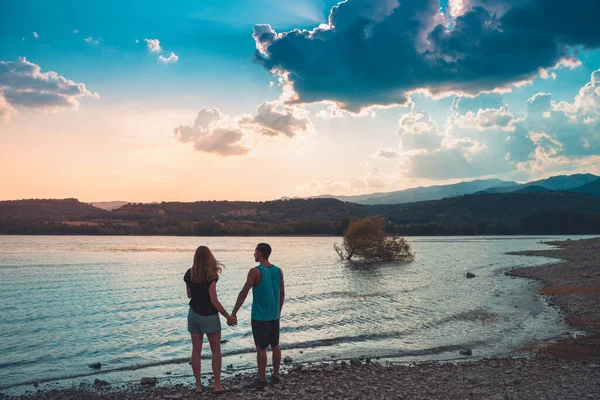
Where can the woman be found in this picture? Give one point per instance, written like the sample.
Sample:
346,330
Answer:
203,318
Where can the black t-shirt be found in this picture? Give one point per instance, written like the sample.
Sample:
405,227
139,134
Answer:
200,301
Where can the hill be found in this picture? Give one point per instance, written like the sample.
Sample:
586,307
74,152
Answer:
424,193
591,188
555,183
534,211
48,210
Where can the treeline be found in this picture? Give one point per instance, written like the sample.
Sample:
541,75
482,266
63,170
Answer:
183,228
541,223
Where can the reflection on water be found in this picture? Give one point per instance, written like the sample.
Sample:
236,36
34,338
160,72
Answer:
69,301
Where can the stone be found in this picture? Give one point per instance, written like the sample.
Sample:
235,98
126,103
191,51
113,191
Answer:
168,372
224,341
100,382
470,275
288,359
96,365
148,381
355,361
466,352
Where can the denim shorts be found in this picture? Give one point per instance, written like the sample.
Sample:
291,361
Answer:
203,323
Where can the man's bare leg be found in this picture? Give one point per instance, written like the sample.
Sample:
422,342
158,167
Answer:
276,359
261,360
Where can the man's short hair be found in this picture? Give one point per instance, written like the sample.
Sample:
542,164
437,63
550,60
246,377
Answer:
264,249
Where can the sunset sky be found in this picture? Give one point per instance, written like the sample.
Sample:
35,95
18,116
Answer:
259,99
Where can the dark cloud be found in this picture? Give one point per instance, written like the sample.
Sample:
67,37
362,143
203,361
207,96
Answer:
378,51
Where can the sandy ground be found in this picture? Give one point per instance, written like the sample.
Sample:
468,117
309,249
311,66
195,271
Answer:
568,368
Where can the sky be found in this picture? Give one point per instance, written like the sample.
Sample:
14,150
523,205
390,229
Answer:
145,101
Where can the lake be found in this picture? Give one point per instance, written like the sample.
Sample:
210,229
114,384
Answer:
69,301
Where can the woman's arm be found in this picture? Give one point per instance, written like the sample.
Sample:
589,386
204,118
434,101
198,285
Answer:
189,291
214,299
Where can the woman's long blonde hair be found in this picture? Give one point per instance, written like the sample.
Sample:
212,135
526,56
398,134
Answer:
205,267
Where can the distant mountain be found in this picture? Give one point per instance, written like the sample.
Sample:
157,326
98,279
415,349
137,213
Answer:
592,188
564,182
555,183
425,193
532,189
109,205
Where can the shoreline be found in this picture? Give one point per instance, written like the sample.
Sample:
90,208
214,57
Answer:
567,367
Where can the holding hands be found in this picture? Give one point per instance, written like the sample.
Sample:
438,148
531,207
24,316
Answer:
231,320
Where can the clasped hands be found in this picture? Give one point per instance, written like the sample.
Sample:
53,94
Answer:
232,320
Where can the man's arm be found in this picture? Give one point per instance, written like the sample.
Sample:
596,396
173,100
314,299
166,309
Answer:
250,280
281,291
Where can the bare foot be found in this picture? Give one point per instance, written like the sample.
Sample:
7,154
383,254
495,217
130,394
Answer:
218,388
199,388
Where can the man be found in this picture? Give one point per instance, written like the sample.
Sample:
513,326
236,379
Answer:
266,281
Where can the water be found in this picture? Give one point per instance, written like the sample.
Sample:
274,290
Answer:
67,302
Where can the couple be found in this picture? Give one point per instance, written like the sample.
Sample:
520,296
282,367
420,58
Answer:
266,282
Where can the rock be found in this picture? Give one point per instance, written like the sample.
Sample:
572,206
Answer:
343,362
177,396
224,341
230,366
287,359
96,365
470,275
148,381
466,352
100,382
168,372
35,384
355,361
368,361
301,352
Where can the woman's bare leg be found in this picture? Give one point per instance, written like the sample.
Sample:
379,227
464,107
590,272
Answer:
214,339
197,339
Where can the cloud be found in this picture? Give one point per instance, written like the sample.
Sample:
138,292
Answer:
418,131
168,60
214,132
35,35
334,111
386,153
500,118
377,52
6,111
492,141
22,84
153,45
91,40
273,119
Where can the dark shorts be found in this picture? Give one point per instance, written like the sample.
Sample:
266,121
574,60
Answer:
266,333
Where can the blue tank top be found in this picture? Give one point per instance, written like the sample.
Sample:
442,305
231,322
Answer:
265,302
